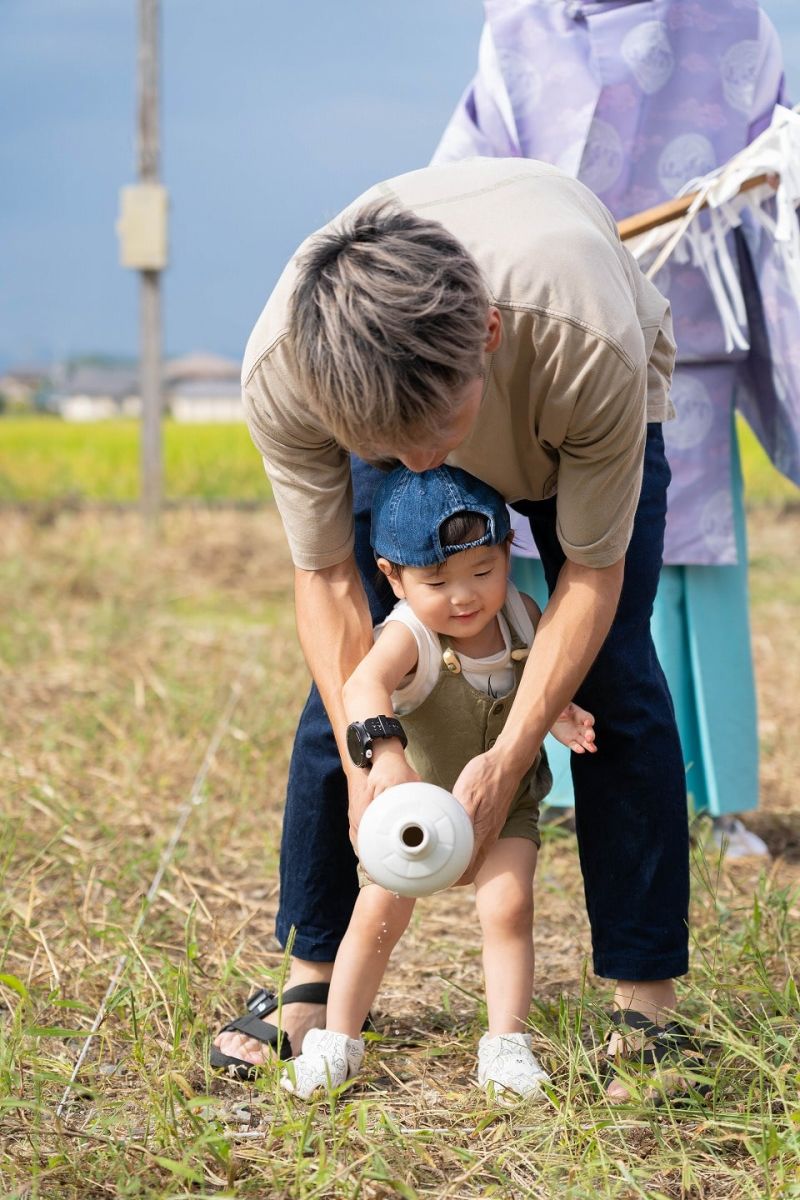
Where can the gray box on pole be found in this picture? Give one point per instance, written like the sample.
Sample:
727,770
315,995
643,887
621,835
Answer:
142,226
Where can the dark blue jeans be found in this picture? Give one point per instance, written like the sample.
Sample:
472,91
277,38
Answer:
630,797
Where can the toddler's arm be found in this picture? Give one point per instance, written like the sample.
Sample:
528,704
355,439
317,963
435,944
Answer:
575,729
368,693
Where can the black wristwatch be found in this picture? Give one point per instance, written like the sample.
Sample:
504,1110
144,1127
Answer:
361,735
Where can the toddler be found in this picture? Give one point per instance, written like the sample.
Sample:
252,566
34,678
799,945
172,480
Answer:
447,660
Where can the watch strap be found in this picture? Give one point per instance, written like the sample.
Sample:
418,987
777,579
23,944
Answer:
385,727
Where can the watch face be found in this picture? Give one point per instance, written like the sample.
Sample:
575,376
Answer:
355,744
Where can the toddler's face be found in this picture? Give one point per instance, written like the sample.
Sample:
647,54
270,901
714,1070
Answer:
462,596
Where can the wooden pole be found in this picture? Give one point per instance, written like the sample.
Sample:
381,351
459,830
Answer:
671,210
150,291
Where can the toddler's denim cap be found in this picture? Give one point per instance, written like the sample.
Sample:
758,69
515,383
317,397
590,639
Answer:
409,508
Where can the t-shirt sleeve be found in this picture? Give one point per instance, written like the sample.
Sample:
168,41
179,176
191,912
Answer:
600,461
660,366
308,471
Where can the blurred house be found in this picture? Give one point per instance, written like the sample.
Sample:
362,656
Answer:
206,400
203,387
197,387
201,366
23,389
95,392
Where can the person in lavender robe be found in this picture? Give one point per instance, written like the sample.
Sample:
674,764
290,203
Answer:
636,99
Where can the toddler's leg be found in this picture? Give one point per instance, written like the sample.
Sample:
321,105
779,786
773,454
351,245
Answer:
504,898
379,920
333,1055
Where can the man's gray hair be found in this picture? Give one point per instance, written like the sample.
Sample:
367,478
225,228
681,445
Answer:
387,324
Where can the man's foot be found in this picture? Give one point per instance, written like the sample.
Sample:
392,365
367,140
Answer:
328,1060
653,999
654,1061
295,1018
735,840
507,1064
296,1021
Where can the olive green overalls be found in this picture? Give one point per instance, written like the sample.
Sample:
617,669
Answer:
456,722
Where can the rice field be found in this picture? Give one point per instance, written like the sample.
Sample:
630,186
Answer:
44,460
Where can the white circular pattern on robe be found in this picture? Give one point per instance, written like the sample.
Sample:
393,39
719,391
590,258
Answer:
739,68
694,411
602,159
523,82
647,51
716,523
684,158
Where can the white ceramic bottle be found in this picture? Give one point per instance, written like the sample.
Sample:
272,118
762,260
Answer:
415,839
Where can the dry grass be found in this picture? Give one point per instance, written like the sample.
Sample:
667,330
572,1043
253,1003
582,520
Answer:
116,657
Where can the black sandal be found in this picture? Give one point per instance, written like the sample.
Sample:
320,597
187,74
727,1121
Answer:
260,1005
670,1045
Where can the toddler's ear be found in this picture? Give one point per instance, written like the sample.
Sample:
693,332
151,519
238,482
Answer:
393,575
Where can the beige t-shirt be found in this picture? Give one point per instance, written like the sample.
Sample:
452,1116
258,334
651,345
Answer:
585,360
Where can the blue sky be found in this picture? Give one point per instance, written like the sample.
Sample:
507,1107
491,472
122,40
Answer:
273,117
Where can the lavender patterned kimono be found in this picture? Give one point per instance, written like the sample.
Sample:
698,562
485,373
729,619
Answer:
637,98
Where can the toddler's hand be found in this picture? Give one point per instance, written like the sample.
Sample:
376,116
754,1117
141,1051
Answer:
575,729
390,766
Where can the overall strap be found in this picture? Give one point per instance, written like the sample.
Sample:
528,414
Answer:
520,649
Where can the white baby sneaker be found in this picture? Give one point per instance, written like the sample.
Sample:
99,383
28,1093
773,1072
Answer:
328,1060
508,1062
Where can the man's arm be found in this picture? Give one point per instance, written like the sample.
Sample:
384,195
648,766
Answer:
571,631
335,630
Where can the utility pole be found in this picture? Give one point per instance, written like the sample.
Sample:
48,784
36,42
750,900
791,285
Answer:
143,243
150,301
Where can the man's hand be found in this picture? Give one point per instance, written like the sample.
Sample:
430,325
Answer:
389,767
485,788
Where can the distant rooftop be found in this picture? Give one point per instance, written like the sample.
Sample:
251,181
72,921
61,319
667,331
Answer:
110,378
90,380
201,366
205,388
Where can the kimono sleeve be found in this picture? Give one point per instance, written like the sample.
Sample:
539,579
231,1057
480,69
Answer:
483,122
